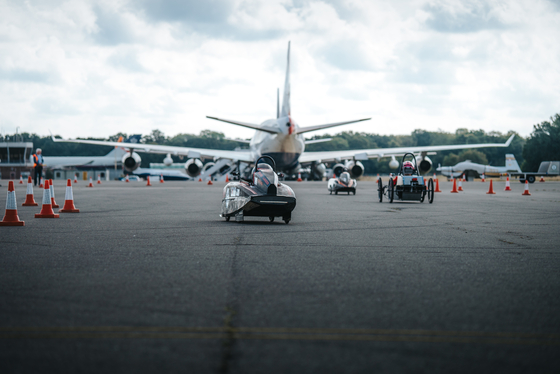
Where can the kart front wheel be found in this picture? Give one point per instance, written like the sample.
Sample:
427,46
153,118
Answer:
431,191
390,190
227,219
380,190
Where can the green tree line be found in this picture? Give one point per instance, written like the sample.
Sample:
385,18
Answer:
541,145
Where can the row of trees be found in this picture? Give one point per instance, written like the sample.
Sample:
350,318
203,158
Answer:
541,145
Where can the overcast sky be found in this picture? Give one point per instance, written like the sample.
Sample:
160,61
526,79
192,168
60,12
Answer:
95,68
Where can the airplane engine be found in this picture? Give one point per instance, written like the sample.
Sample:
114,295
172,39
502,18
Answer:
338,169
393,164
168,161
131,161
424,164
193,167
318,171
355,168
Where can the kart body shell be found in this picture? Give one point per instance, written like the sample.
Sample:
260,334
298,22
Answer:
342,184
262,196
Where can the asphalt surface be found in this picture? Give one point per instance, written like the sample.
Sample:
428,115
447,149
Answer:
151,279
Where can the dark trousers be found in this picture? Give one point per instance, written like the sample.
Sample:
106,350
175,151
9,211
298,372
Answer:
38,174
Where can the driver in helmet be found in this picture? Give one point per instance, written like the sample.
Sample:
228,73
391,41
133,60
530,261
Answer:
345,177
408,168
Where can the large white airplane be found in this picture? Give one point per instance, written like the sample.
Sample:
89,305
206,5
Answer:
282,139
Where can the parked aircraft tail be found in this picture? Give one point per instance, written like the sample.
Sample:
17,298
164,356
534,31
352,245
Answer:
120,152
511,163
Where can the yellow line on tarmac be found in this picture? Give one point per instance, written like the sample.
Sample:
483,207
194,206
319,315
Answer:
264,333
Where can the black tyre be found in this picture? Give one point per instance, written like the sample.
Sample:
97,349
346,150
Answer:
380,190
531,178
227,219
271,219
390,190
431,191
336,192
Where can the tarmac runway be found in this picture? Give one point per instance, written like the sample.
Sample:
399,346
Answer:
151,279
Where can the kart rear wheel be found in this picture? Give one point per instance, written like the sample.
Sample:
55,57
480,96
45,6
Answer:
390,190
271,219
227,219
431,191
380,190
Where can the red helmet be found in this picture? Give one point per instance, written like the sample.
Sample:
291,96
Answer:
408,168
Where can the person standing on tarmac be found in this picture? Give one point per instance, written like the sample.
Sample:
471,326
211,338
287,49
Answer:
38,165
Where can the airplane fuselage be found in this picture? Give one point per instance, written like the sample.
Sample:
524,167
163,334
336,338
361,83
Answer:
284,147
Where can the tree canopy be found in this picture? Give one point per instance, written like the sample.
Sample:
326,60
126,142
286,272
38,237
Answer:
543,144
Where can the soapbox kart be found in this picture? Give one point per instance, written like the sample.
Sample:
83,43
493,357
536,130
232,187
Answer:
342,184
408,185
262,195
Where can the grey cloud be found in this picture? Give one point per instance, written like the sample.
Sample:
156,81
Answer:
209,11
113,29
346,55
22,75
472,18
127,60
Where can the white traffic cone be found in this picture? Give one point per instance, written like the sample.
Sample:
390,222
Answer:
508,187
29,199
11,217
98,179
21,180
53,202
526,192
483,178
69,200
46,209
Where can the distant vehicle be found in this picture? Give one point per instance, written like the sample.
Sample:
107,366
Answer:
473,170
547,168
342,184
408,185
168,175
261,196
92,162
132,178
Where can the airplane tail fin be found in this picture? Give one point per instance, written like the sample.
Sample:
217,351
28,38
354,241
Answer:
511,163
286,100
118,151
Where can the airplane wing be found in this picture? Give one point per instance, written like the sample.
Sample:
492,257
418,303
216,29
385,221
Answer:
176,151
364,154
302,130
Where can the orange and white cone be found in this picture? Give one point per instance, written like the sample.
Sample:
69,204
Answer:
161,178
460,188
483,178
210,181
127,180
299,177
454,190
542,179
53,203
437,186
200,179
508,187
41,183
526,192
227,178
75,178
11,217
491,189
29,199
69,200
46,209
464,180
98,179
90,183
148,181
377,180
21,179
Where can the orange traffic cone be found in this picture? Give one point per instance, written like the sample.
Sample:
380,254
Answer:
126,180
75,178
161,178
210,181
98,179
29,199
200,179
11,217
69,200
542,179
53,203
333,175
482,179
21,179
454,190
41,183
508,187
464,180
437,186
377,180
299,177
227,178
90,183
491,189
526,192
46,210
148,179
460,185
